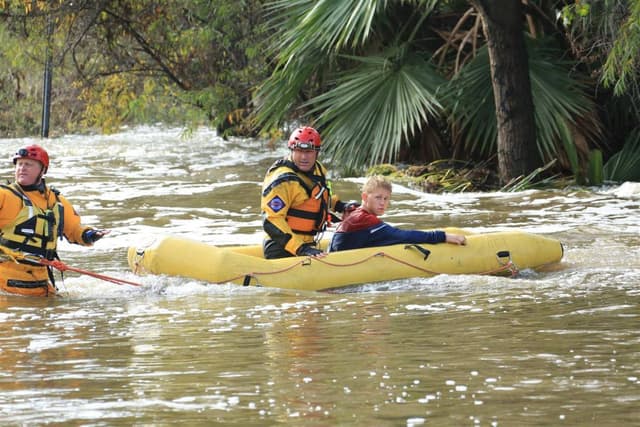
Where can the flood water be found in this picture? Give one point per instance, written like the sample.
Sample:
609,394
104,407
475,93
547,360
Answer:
553,348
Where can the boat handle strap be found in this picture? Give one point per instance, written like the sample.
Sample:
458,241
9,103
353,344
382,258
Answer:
425,252
503,254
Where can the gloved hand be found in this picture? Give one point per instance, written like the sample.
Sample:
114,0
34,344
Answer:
342,207
350,206
306,250
92,235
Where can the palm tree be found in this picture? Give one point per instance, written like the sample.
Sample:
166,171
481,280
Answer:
355,70
561,107
367,73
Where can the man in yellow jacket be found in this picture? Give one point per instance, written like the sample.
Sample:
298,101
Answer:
33,216
296,199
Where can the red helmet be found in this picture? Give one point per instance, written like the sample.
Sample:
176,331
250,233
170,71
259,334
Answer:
305,138
33,152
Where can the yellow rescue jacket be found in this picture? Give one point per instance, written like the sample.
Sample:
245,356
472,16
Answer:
30,223
295,205
34,230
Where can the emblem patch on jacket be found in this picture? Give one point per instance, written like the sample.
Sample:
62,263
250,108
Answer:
276,204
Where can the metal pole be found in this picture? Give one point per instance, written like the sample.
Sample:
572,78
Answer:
46,89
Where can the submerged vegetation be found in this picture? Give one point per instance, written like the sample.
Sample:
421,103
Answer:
387,82
455,176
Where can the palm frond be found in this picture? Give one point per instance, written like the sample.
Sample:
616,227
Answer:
308,38
625,164
377,106
328,24
280,93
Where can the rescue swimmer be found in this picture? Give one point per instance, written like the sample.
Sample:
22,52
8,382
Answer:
33,216
296,200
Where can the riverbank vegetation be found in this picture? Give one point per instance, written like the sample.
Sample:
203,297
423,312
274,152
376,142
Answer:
405,81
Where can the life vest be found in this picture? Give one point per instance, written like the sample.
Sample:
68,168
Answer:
34,230
309,217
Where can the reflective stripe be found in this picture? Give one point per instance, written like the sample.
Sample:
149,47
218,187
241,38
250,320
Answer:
23,284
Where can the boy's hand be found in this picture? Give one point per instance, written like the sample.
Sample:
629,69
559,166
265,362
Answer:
456,239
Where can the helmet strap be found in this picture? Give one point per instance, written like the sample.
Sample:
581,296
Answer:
38,185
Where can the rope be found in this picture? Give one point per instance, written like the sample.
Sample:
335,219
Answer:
61,266
254,275
508,266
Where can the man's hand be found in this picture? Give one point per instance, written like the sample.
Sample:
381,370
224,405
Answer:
92,235
306,250
342,207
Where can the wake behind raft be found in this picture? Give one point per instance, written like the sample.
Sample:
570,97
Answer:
495,253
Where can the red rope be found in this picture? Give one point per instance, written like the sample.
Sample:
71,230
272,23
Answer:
266,273
509,266
61,266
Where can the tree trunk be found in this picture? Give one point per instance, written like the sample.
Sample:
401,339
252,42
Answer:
503,27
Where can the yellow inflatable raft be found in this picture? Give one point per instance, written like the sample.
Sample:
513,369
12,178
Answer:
487,253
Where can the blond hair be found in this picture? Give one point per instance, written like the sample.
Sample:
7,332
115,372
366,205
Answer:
374,182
